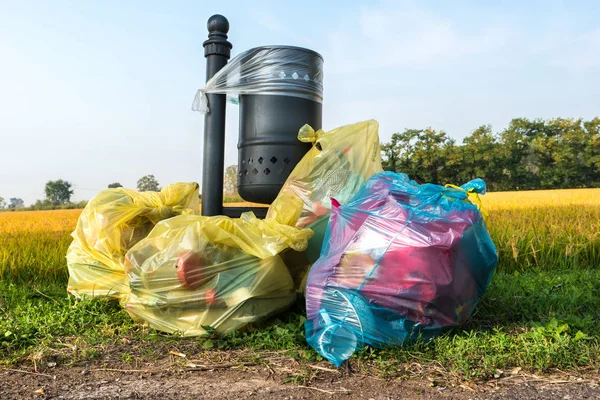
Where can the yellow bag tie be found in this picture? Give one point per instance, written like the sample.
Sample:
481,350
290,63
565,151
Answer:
473,197
307,134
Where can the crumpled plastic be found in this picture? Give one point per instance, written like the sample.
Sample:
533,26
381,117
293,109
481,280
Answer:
400,261
267,70
110,224
339,163
193,272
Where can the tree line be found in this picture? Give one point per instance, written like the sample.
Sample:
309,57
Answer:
58,195
529,154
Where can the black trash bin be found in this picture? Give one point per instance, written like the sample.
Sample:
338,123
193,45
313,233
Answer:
268,147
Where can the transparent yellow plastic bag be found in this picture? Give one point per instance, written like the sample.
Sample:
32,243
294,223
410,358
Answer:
196,271
111,223
338,164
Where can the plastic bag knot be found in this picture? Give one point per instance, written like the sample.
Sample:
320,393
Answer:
307,134
200,102
472,195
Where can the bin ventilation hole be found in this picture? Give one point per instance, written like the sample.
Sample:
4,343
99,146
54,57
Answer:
273,159
282,75
243,162
250,160
240,174
287,160
260,160
280,171
306,78
255,171
267,171
295,75
245,172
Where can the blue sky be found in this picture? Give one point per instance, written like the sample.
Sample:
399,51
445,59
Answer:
100,91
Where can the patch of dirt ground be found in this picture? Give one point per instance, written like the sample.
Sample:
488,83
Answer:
232,375
258,382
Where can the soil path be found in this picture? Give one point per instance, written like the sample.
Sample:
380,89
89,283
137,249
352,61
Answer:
163,380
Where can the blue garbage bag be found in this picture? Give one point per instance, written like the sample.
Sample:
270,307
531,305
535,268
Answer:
399,261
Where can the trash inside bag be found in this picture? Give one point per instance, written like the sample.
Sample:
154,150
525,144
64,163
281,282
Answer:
400,260
192,272
339,163
111,223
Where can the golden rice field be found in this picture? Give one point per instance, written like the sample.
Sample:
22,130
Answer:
544,230
33,244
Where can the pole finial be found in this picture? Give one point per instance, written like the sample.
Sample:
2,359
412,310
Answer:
218,23
217,43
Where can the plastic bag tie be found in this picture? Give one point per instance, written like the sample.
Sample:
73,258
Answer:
473,197
307,134
200,102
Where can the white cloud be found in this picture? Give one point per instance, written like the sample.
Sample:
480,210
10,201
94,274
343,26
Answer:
274,24
406,35
576,52
267,20
403,35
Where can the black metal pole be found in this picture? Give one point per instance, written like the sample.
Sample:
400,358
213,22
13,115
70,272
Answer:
217,51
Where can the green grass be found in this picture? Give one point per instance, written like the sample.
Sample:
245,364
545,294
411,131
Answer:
44,316
535,321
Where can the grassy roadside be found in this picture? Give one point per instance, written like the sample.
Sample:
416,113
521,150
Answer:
542,311
535,321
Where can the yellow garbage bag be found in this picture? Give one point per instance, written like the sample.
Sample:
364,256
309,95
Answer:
111,223
338,164
195,271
